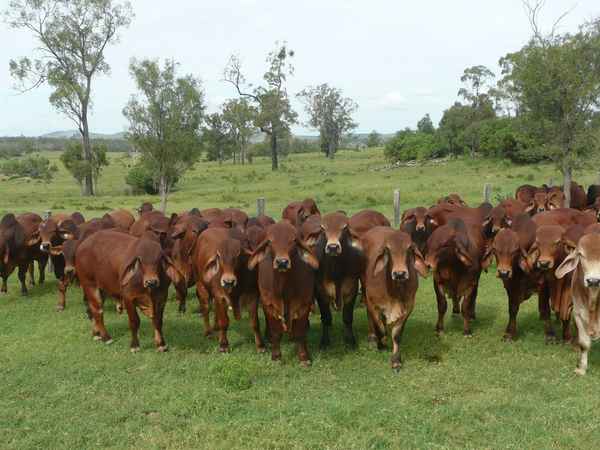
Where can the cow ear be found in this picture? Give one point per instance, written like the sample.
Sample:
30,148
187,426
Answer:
487,258
568,265
173,219
171,270
420,265
212,268
532,255
355,241
306,255
381,261
130,270
432,221
67,229
530,207
258,254
312,239
463,255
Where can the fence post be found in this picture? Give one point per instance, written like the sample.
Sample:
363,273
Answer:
260,206
551,182
487,192
49,267
396,208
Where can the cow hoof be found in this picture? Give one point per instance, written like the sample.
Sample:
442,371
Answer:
108,341
60,308
181,309
223,349
396,368
439,333
371,338
467,334
134,349
306,363
162,348
580,371
261,350
509,338
97,337
550,339
209,334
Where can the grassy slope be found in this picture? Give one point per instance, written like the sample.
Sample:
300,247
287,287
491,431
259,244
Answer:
60,389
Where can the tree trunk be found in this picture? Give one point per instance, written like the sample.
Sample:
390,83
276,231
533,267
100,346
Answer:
164,191
88,182
330,149
274,160
567,177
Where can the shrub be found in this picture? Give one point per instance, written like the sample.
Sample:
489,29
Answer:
408,145
37,167
140,179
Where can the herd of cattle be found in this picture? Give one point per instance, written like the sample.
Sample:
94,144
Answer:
238,262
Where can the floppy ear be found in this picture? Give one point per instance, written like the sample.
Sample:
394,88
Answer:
381,261
463,254
173,219
212,268
568,265
530,207
306,255
67,229
532,255
258,254
129,270
487,258
355,240
171,270
312,239
432,221
405,217
420,265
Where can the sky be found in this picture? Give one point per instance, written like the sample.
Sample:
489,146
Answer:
397,59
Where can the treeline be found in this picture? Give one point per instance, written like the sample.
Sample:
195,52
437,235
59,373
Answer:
18,146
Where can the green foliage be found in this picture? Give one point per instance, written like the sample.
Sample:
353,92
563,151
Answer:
36,167
216,140
374,139
425,125
238,117
143,180
74,161
408,145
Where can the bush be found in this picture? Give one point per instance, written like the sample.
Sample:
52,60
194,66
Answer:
37,167
143,181
408,145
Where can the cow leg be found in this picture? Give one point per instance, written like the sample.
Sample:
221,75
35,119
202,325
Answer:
442,306
95,304
31,268
4,287
455,305
42,262
513,309
371,335
584,341
255,324
299,330
134,325
397,329
222,324
157,322
275,334
378,326
23,268
467,311
473,302
544,309
181,293
88,311
566,331
326,320
203,297
62,291
348,317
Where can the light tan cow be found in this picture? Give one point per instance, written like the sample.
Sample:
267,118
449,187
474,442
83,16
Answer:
584,261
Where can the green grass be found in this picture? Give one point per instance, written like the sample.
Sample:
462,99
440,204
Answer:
60,389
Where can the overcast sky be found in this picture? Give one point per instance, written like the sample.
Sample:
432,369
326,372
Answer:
398,59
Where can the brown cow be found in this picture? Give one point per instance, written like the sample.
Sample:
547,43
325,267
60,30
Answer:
144,208
454,253
220,260
261,221
440,214
416,223
508,248
133,270
156,223
525,193
122,219
584,265
452,199
298,212
564,217
333,244
286,281
391,282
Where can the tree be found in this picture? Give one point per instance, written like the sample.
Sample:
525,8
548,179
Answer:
330,113
409,145
274,115
165,123
425,125
477,78
80,168
239,116
555,80
71,37
216,138
374,139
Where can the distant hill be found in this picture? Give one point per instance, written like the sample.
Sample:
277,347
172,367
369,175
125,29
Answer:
68,134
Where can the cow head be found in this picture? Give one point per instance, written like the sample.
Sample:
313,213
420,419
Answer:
415,219
452,199
144,208
505,248
586,257
148,265
53,233
496,220
539,203
284,246
398,256
556,199
547,248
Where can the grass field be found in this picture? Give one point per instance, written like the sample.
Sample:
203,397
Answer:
60,389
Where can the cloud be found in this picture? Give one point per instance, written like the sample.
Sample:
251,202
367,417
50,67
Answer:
393,101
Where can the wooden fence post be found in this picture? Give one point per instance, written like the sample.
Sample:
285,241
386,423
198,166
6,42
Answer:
551,182
260,206
49,267
396,208
487,192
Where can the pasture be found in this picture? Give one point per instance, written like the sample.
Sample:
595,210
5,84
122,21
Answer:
60,389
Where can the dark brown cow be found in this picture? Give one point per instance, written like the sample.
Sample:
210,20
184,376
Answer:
135,271
219,261
298,212
583,264
391,282
441,214
578,197
454,253
508,248
416,223
19,247
594,208
332,243
593,193
525,193
286,281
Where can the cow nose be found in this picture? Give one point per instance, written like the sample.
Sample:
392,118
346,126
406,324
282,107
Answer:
541,210
45,246
228,283
543,264
504,274
420,227
151,283
282,263
399,275
592,282
334,249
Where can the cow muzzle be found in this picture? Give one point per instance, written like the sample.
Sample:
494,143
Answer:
333,249
544,264
282,264
228,283
504,274
592,282
45,246
420,228
151,283
399,275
